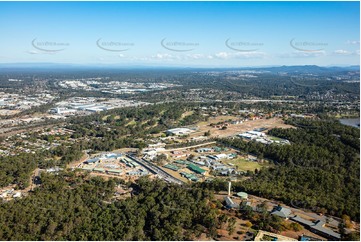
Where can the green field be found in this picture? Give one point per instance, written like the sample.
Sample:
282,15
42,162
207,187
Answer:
132,122
244,165
274,138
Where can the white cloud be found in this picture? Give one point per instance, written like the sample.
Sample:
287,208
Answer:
342,52
32,52
195,56
36,52
164,56
240,55
222,55
346,52
249,55
353,42
303,54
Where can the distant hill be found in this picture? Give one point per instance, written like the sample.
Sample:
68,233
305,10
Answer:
274,69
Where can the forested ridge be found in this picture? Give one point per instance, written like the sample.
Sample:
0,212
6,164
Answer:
70,206
319,170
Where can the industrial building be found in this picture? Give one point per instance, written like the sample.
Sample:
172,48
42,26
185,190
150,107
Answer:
317,227
179,131
281,212
172,167
196,169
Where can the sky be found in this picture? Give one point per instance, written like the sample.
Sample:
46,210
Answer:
187,34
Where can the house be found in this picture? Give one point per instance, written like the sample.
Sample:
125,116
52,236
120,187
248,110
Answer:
202,150
221,156
223,173
181,162
231,156
178,154
230,204
139,172
100,170
246,136
87,168
317,227
219,167
207,163
217,149
17,195
245,204
114,172
252,158
112,156
201,163
54,169
94,160
212,157
281,212
191,177
4,195
172,167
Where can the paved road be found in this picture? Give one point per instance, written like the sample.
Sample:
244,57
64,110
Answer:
193,146
156,170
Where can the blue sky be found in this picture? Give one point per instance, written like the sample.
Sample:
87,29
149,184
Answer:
194,34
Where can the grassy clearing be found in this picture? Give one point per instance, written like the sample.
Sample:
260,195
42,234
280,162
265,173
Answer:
185,114
274,138
245,165
107,116
133,122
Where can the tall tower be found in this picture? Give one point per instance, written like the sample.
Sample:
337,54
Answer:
229,188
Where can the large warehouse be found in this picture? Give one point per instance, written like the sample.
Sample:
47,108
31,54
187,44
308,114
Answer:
179,131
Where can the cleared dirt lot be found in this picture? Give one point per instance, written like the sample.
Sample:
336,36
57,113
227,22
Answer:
4,112
234,129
